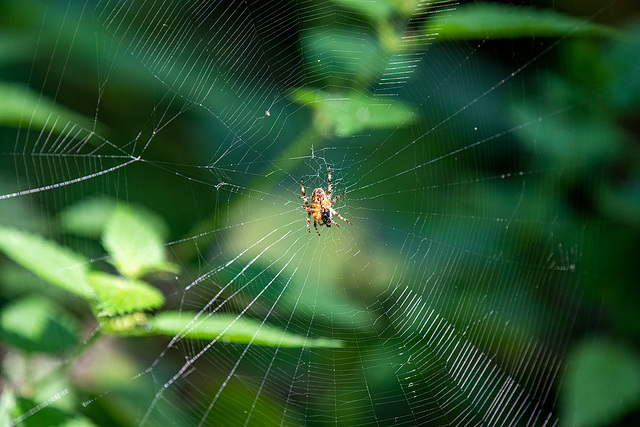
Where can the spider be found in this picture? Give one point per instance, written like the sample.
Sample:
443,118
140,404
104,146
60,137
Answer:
321,207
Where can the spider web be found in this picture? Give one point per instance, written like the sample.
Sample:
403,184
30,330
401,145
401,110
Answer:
454,291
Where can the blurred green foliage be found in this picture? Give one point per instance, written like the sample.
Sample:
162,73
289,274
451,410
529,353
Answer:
602,383
132,239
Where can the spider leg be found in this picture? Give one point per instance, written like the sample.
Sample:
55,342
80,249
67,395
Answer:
334,223
315,224
329,195
304,196
306,206
334,200
338,215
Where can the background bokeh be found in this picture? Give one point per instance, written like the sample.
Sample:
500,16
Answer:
500,186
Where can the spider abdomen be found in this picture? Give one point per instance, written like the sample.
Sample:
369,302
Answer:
319,205
325,217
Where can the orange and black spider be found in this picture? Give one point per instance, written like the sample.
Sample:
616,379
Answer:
321,207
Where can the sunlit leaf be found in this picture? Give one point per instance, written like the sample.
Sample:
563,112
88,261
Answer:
79,421
51,262
119,295
7,405
492,20
379,9
87,218
602,383
36,324
229,328
132,324
349,113
134,240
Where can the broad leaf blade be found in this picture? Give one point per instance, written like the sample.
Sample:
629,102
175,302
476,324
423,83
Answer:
51,262
36,324
7,405
230,328
88,218
350,113
492,20
134,240
119,295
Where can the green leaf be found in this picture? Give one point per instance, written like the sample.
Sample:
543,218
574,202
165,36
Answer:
19,105
378,10
7,405
133,324
88,218
49,415
343,42
51,262
79,421
568,139
119,295
492,20
602,383
36,324
350,113
229,328
134,240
